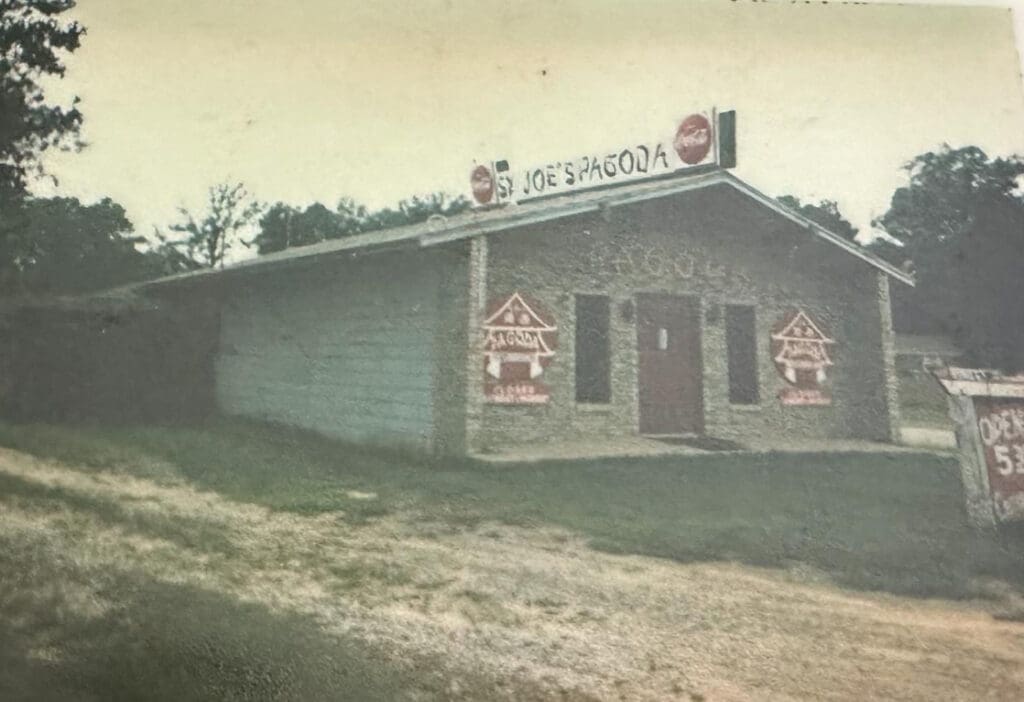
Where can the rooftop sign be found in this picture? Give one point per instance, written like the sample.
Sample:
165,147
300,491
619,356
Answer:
700,139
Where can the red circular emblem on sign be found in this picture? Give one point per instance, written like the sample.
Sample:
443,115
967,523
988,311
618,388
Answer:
693,139
482,183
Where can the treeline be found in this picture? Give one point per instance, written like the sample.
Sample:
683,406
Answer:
957,223
282,226
232,218
60,246
52,246
958,226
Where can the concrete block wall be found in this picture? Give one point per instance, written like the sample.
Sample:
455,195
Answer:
348,348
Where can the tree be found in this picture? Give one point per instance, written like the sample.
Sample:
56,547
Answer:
891,250
961,221
352,216
986,269
229,210
276,229
283,226
61,246
826,213
166,256
33,40
943,196
417,209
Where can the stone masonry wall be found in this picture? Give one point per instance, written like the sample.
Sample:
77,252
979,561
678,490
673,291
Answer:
724,248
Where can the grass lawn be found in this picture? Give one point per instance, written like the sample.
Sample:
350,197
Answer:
81,618
161,641
882,521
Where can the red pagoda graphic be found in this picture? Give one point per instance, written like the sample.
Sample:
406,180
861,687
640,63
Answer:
518,345
800,350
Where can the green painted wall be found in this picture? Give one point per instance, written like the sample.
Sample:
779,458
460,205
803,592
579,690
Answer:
348,349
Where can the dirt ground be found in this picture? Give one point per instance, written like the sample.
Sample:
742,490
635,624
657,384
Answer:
537,604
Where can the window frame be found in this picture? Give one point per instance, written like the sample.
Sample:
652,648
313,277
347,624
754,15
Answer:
602,396
736,402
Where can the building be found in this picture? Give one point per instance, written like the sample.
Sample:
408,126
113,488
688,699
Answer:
686,304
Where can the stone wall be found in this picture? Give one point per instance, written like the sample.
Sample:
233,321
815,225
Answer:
724,248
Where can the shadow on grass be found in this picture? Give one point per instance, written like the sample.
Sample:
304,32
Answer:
176,643
191,532
893,522
161,641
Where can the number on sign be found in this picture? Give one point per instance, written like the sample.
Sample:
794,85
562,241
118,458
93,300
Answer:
1002,454
1018,458
1009,464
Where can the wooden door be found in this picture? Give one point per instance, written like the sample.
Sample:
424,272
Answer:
670,372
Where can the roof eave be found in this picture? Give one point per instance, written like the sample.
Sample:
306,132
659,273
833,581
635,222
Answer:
566,209
819,230
510,217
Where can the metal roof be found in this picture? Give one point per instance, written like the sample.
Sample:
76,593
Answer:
488,221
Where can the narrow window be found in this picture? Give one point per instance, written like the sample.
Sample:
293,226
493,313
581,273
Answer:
593,349
741,345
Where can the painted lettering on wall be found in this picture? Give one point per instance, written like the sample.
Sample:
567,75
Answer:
519,343
800,350
638,258
1001,427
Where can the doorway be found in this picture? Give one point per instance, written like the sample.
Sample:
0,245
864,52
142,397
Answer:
670,368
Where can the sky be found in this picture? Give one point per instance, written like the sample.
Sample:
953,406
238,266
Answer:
312,100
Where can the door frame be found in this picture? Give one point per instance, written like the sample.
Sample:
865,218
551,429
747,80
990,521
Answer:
697,302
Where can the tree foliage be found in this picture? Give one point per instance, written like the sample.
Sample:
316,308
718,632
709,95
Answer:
946,191
61,246
33,40
212,234
169,256
987,268
826,213
415,210
961,220
284,226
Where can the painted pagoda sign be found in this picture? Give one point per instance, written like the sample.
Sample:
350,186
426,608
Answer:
519,343
800,350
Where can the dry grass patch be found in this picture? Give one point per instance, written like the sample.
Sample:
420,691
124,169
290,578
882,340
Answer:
449,604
